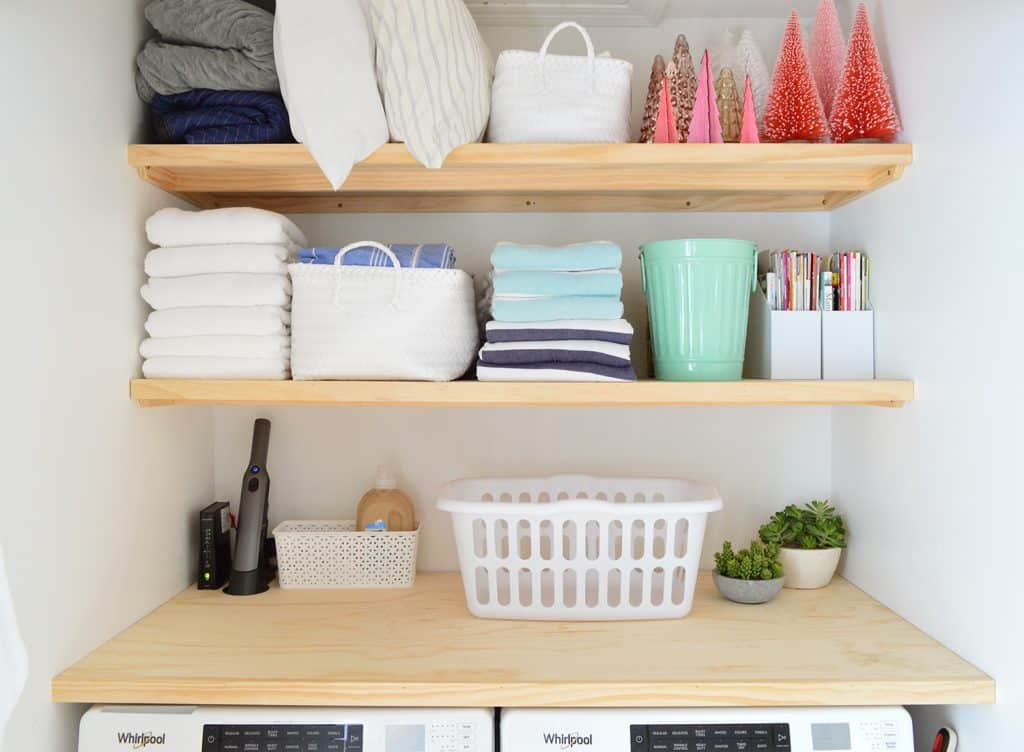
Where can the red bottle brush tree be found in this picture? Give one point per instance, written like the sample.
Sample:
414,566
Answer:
864,109
794,111
828,53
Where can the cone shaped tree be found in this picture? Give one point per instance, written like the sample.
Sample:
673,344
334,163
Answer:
705,127
748,131
665,127
750,62
653,99
794,111
684,89
828,53
864,108
730,112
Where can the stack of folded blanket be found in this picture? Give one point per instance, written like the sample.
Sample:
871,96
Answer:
220,293
556,315
211,78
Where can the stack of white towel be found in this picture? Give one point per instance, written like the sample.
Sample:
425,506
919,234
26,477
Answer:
220,293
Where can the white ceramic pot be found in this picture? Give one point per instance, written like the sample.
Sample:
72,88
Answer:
809,569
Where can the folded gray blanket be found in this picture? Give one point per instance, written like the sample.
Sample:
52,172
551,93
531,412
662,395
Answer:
225,45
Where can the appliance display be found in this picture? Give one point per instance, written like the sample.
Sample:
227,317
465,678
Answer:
860,729
107,728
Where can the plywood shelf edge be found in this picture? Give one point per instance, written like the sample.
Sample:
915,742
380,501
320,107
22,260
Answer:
530,177
883,393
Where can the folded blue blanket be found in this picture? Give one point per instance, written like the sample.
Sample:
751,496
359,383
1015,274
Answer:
567,258
559,283
616,331
202,116
410,256
559,355
553,308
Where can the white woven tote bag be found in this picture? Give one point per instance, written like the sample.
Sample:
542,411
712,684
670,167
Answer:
364,322
542,98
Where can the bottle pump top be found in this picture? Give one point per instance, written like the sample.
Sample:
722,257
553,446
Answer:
385,479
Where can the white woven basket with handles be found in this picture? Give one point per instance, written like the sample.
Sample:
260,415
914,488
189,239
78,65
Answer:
363,322
333,554
577,547
542,98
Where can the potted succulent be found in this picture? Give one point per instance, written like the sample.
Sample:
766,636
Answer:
811,540
752,575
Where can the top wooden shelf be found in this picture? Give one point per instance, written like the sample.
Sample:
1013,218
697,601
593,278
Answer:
421,647
530,177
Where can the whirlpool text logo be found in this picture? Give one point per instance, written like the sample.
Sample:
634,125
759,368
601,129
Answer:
568,741
140,740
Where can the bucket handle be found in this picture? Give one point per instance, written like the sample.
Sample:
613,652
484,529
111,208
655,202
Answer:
753,277
643,274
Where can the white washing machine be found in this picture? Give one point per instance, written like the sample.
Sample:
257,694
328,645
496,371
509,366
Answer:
861,729
110,728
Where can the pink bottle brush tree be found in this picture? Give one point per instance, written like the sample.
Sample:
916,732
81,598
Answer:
794,111
828,53
705,128
864,109
748,131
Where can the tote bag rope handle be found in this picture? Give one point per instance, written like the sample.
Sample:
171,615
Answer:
396,289
586,39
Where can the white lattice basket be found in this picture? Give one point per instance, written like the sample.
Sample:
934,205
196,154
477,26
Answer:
578,547
333,554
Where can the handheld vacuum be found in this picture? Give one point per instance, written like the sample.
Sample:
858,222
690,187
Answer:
249,570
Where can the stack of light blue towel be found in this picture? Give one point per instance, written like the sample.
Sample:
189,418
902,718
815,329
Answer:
556,315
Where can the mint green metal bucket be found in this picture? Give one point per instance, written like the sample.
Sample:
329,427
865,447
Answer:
698,295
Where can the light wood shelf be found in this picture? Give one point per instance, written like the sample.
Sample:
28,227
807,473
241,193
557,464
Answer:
156,392
421,647
530,177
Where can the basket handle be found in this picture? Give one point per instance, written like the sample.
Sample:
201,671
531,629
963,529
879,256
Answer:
396,289
586,38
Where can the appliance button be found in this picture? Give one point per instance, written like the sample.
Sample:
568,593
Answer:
658,732
721,732
231,733
761,731
742,745
254,484
701,746
211,738
334,732
334,747
682,746
741,732
311,746
721,746
660,746
272,747
700,732
680,732
231,747
251,747
760,745
291,747
272,733
638,738
781,735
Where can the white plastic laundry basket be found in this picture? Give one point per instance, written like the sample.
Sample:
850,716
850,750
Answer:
577,547
333,554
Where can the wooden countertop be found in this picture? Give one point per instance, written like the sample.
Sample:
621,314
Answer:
421,647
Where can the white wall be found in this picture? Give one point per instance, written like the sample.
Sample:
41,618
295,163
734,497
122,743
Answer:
97,507
932,492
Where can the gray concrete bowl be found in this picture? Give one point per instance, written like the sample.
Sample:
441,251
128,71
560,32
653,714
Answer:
748,591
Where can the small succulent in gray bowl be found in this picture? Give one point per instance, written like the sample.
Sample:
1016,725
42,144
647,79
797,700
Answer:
751,575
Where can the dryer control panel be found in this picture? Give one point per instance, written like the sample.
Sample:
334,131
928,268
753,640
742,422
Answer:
858,729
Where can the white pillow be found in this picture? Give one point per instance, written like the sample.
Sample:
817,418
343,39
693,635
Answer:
434,71
324,55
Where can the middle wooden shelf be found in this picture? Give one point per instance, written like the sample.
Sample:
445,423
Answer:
749,392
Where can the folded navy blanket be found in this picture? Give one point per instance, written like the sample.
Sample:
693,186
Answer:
410,256
618,331
203,116
565,351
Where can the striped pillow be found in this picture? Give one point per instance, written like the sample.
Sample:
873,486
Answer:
434,71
